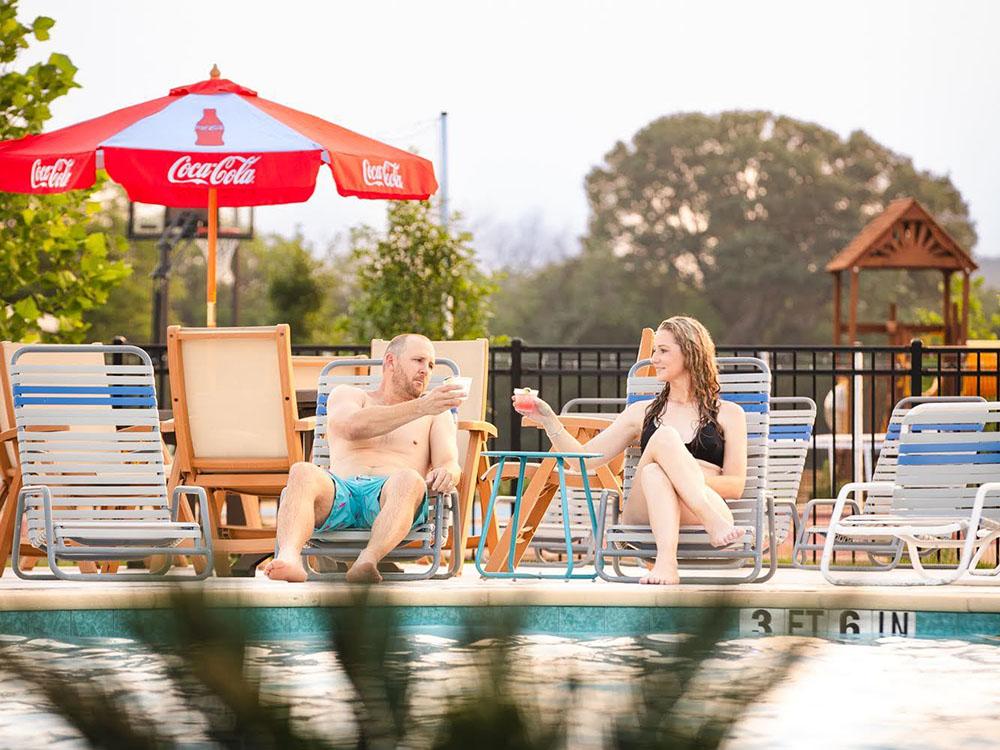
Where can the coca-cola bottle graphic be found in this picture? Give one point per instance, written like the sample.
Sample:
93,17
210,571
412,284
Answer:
209,129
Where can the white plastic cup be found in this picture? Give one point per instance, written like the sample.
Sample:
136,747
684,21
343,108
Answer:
464,382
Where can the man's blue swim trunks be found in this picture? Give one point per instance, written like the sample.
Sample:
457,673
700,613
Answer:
356,503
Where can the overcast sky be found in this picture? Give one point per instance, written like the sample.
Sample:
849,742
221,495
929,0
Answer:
538,91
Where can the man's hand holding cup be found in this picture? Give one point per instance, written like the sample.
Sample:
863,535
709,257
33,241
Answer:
448,395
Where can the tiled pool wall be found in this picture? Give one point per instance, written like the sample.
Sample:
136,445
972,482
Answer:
266,623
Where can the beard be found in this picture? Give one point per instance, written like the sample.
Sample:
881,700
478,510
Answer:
407,386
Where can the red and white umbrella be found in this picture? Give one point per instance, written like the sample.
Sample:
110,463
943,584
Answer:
212,143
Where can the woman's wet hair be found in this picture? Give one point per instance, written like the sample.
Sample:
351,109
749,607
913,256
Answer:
698,350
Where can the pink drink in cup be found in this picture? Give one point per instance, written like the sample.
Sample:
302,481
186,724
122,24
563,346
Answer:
524,399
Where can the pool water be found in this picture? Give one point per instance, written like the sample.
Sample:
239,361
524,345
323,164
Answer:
874,693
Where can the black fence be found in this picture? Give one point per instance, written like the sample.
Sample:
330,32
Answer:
854,387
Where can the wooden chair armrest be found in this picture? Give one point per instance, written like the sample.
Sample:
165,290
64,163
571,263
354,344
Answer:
306,424
166,425
10,434
477,426
570,422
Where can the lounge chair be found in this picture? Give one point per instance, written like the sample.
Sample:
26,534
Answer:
880,553
423,540
91,460
237,426
10,471
946,495
746,381
792,419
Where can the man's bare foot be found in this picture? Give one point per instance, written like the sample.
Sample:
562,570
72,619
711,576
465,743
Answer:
662,574
285,570
364,572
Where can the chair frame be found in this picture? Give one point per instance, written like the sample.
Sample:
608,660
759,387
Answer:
931,496
56,549
245,476
883,477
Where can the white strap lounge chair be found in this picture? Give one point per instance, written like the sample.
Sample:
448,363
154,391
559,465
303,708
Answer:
876,553
95,486
746,381
946,495
423,540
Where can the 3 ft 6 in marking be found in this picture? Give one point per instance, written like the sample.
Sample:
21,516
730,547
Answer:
766,621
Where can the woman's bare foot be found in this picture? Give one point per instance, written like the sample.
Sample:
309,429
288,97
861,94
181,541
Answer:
364,572
721,531
662,574
285,570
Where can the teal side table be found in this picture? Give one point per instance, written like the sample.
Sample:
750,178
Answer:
522,458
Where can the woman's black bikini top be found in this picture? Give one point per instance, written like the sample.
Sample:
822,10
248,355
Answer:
707,443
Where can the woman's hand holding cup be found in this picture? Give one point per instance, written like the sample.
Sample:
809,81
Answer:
527,404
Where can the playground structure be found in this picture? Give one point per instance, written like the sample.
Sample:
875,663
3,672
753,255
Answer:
904,237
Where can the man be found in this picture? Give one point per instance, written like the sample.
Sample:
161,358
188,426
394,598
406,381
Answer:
388,449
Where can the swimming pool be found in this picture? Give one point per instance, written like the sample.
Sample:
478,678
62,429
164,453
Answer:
858,693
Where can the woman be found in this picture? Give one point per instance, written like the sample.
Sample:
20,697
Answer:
694,446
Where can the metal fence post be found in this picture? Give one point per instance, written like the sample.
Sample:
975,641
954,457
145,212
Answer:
916,367
515,379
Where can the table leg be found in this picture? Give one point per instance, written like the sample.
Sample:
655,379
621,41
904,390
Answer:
488,518
516,515
530,500
564,498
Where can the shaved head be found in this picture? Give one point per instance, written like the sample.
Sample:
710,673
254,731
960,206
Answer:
399,343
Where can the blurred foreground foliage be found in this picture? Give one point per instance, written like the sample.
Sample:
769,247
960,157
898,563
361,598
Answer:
669,704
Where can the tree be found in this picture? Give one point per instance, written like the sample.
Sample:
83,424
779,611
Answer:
55,267
418,277
739,213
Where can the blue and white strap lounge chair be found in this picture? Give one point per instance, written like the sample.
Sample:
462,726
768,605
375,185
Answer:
743,380
790,430
423,540
94,481
879,553
946,495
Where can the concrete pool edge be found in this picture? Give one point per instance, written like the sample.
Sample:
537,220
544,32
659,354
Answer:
470,593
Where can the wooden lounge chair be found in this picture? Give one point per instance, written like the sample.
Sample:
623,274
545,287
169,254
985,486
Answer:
423,540
878,553
946,495
474,431
746,381
236,424
91,462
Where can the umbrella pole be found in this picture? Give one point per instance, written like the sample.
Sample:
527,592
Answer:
213,231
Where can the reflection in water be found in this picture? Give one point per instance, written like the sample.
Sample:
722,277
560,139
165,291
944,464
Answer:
881,693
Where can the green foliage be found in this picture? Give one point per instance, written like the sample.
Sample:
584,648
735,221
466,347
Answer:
278,279
55,268
419,277
984,308
731,218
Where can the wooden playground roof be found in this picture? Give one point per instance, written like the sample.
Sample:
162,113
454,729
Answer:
904,235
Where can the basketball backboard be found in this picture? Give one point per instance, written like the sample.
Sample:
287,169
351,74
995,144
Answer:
147,221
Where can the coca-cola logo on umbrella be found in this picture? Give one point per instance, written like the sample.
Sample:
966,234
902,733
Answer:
385,174
232,170
209,129
56,175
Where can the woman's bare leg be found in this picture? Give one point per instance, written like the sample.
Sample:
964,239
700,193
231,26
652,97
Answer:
664,513
667,450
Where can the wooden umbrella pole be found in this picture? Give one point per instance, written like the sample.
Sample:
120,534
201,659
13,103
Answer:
213,231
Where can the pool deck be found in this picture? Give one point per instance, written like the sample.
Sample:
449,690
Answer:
788,589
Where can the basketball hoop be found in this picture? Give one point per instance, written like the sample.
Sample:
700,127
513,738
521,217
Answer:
227,243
